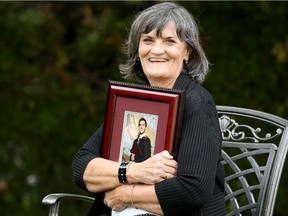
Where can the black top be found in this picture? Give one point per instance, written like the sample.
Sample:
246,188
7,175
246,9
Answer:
198,187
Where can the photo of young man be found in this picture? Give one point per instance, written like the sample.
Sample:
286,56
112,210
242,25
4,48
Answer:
141,149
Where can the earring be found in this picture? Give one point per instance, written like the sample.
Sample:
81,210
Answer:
186,61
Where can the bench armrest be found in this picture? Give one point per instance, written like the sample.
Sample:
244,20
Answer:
53,200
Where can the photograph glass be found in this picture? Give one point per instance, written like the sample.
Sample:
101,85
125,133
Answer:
132,135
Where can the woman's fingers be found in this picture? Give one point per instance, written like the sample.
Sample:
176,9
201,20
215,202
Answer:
113,199
156,168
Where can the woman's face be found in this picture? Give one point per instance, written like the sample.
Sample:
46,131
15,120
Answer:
162,57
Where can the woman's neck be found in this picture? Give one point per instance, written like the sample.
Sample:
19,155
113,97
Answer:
163,83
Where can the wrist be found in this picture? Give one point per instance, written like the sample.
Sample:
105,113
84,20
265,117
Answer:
132,203
131,173
122,170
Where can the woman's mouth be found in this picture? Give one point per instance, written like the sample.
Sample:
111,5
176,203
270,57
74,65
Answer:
158,60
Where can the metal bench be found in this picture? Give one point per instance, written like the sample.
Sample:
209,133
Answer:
254,150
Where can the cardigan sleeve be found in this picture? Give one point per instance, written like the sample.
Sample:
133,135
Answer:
198,156
90,150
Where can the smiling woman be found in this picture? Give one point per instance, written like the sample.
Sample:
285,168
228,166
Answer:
163,50
178,27
162,56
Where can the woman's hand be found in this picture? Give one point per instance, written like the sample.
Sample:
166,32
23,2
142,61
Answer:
155,169
135,195
114,198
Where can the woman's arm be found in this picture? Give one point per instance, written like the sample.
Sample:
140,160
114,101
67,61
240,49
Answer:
153,170
132,195
198,156
150,203
102,174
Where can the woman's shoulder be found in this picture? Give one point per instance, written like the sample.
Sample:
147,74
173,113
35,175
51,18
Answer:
197,97
186,83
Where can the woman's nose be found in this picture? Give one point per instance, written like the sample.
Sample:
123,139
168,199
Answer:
157,48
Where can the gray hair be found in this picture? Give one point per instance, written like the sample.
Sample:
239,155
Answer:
156,17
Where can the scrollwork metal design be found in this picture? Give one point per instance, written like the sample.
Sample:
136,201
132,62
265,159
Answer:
231,130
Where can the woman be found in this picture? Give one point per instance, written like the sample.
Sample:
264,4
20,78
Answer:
163,50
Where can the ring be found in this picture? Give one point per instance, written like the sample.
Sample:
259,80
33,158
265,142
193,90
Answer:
166,175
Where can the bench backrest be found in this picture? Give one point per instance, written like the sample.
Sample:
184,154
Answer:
254,150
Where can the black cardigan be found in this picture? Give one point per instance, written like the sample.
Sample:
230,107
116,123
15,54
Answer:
198,187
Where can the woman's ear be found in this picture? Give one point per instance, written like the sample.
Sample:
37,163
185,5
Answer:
188,53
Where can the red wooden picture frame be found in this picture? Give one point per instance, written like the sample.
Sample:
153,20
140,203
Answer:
165,105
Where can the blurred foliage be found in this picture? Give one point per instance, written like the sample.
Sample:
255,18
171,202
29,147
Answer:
55,62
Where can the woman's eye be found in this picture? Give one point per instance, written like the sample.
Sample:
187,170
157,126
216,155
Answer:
147,40
170,41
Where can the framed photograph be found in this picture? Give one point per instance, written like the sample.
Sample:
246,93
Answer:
141,121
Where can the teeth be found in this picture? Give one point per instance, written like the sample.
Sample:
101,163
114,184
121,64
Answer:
157,60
